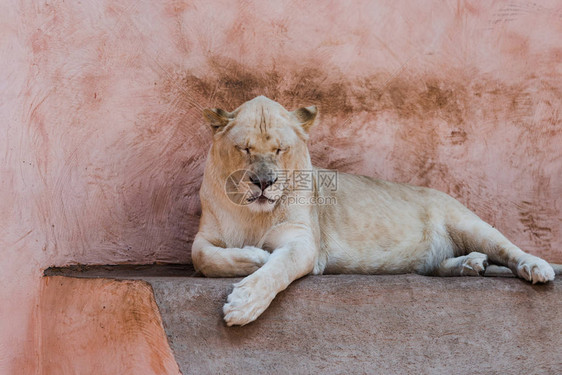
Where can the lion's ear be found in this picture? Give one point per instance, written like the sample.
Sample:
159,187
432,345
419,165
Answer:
217,118
306,116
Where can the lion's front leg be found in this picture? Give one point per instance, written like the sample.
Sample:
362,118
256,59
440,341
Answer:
291,260
215,261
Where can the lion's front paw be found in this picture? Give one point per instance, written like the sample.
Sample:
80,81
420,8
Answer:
250,259
258,257
475,264
247,301
535,270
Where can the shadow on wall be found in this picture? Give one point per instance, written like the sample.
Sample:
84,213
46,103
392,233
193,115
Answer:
423,129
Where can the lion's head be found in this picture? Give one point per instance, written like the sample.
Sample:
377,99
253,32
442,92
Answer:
256,148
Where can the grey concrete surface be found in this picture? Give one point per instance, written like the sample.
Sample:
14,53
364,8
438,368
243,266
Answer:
351,324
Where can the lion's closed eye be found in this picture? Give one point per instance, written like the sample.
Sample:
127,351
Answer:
281,150
243,149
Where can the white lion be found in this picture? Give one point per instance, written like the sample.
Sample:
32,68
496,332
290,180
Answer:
268,214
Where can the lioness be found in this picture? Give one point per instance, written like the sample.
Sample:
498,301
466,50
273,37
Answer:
274,232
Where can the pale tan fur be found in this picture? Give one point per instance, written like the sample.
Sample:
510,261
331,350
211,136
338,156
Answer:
370,226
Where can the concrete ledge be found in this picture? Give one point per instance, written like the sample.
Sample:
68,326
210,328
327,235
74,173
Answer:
334,324
144,271
122,271
350,324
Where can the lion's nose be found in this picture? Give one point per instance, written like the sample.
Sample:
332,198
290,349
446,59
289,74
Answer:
263,182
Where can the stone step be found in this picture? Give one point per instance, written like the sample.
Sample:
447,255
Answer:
355,324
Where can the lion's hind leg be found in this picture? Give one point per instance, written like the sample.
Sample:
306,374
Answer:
473,264
470,234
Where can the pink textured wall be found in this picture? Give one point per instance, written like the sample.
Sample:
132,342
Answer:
103,142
